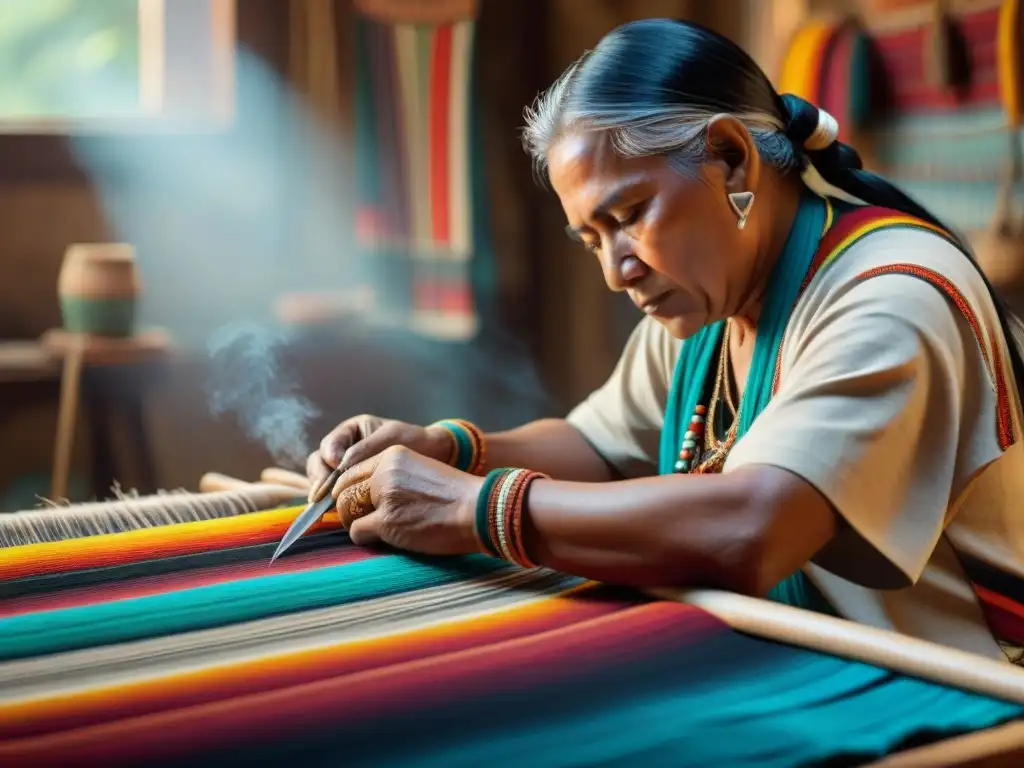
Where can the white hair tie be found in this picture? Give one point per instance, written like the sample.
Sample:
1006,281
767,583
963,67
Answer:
824,134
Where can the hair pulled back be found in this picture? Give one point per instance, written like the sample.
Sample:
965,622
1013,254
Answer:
652,87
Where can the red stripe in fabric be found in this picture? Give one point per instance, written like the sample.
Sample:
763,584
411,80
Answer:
903,54
993,358
561,654
821,64
842,228
835,85
457,299
201,577
440,97
1005,616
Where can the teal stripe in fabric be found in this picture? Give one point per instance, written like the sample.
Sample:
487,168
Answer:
367,135
797,709
216,605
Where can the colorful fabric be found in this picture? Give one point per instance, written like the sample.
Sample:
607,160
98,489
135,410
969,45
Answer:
1008,60
829,65
339,655
904,65
420,218
950,148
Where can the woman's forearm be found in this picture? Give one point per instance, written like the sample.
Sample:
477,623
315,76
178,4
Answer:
743,531
551,446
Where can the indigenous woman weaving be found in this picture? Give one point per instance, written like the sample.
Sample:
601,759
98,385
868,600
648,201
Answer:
821,405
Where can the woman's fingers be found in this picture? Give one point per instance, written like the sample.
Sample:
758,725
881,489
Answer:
343,437
317,472
357,474
355,502
365,531
370,445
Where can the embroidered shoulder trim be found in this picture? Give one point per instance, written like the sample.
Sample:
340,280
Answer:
853,227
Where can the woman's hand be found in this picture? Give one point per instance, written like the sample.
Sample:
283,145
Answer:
408,501
363,437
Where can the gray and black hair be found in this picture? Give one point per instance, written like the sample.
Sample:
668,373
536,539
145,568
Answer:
653,86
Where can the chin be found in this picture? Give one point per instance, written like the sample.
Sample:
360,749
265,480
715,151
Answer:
681,326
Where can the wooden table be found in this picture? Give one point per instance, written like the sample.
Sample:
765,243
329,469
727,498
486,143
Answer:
93,369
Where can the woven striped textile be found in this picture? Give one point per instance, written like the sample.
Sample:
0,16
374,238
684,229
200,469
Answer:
955,148
420,219
829,64
181,645
952,148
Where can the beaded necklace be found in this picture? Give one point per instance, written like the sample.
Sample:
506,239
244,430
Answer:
699,451
702,451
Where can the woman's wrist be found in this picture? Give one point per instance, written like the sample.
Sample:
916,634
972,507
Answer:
461,444
499,513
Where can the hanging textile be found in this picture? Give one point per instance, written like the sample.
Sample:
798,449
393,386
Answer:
949,140
829,65
420,219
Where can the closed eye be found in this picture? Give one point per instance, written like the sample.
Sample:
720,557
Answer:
631,216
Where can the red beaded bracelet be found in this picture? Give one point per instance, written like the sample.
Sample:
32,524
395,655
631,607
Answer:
505,506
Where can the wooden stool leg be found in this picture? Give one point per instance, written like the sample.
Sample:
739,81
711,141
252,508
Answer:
136,419
66,416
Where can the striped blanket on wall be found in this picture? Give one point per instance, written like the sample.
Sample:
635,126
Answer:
421,216
181,645
951,145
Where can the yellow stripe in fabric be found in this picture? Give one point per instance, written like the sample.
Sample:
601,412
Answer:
460,202
1008,60
412,91
424,42
799,67
159,541
30,710
868,227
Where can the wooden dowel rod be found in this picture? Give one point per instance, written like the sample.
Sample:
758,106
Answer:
279,476
212,482
839,637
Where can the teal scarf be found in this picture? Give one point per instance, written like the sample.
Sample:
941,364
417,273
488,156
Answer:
698,353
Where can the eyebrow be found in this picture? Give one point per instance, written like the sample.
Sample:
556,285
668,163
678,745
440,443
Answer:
611,200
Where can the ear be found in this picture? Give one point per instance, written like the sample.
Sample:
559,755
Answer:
730,148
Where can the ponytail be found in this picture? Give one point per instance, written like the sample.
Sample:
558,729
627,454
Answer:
813,133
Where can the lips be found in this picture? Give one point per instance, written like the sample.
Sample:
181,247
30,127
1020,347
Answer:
651,306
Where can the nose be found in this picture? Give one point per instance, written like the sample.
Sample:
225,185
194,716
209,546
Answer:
620,264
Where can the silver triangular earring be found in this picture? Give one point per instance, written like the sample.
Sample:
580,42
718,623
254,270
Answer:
741,203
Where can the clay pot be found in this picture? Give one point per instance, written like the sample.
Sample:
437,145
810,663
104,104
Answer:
98,289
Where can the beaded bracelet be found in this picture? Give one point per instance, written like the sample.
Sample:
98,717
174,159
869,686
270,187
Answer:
499,514
469,448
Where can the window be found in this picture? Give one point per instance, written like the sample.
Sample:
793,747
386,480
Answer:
85,65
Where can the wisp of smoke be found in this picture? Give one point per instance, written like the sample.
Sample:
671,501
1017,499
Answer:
248,380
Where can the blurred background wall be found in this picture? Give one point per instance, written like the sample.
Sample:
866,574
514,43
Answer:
260,252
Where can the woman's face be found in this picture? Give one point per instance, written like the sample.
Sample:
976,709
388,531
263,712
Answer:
669,240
